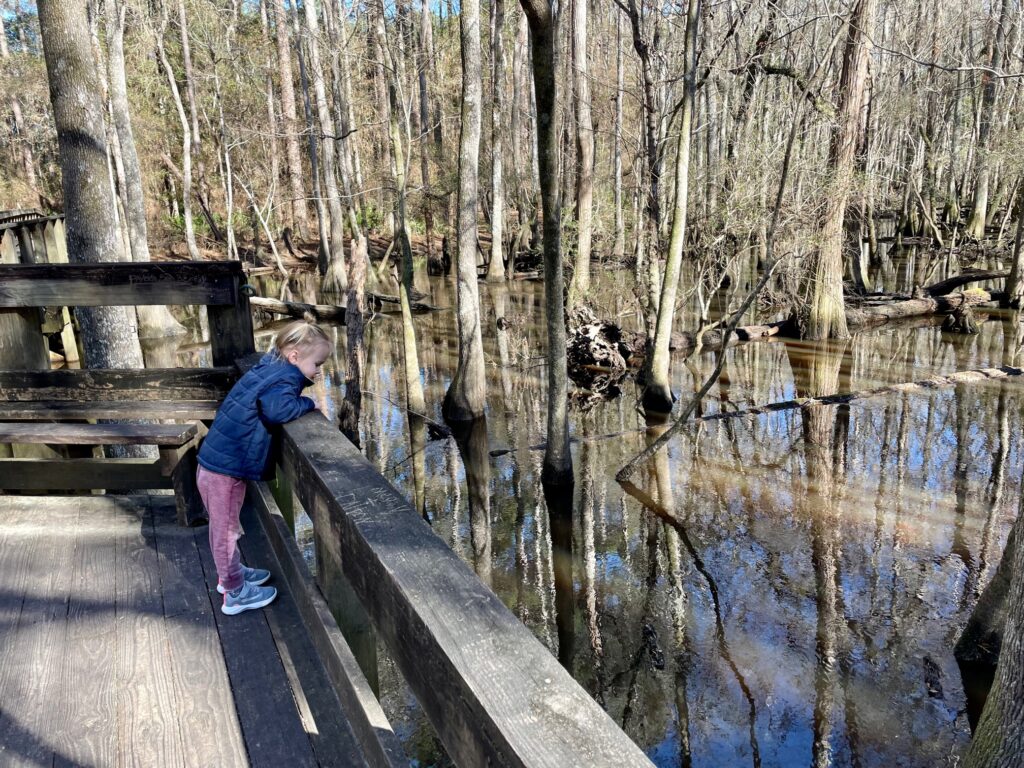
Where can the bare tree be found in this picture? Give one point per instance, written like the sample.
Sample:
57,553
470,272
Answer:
466,395
584,154
823,314
109,334
557,467
496,265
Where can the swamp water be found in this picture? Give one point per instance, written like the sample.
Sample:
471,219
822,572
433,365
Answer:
791,592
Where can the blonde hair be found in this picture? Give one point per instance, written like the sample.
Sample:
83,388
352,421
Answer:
301,335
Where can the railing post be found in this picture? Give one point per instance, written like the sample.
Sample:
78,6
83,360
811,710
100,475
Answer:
231,335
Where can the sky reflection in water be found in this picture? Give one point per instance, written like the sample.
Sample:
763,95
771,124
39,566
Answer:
796,597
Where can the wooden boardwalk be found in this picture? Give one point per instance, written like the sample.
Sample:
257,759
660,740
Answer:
113,650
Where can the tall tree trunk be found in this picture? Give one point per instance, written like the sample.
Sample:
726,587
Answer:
380,80
425,51
314,152
1015,282
496,266
619,248
186,141
334,269
268,86
293,158
647,284
154,321
584,155
466,396
823,316
557,466
657,397
979,207
398,140
999,738
109,334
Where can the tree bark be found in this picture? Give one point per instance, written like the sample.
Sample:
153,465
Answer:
1015,281
999,739
584,155
186,142
822,316
619,248
466,395
556,471
154,321
496,266
979,207
657,397
109,334
293,158
336,276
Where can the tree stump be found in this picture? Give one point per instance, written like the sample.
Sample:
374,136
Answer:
961,321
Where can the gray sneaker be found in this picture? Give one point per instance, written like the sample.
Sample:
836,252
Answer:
246,598
256,576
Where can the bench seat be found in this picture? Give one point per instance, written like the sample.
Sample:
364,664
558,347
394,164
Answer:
183,410
97,434
176,467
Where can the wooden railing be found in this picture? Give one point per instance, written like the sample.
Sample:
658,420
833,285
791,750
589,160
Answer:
494,694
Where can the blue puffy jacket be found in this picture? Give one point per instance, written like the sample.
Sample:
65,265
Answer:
239,441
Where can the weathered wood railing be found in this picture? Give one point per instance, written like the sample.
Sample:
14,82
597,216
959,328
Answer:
174,393
494,694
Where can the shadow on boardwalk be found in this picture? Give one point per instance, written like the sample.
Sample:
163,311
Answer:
113,649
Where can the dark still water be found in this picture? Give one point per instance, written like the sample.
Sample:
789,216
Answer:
789,590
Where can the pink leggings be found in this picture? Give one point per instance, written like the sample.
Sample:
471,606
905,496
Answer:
223,496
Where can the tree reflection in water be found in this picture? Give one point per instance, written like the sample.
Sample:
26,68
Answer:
795,597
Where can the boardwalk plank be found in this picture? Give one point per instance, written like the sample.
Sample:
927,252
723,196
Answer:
84,715
26,731
149,731
15,557
329,732
206,710
274,734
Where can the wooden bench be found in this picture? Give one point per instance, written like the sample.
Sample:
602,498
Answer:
31,401
175,468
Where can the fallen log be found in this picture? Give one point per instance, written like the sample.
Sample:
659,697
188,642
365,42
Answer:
379,302
974,376
942,305
328,313
950,284
932,382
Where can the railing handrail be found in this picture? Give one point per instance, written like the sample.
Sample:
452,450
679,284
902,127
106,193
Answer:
494,694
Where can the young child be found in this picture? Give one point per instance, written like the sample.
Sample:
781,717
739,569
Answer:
238,447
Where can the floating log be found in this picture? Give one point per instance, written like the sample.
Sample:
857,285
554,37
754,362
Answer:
950,284
378,300
975,376
323,312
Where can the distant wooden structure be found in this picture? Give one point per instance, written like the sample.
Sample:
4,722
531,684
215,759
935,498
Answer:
493,693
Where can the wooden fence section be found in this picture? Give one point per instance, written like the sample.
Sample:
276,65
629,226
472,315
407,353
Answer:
494,694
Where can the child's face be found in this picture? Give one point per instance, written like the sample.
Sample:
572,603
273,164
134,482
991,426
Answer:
308,359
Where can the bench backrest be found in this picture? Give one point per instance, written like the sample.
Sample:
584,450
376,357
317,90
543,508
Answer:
218,285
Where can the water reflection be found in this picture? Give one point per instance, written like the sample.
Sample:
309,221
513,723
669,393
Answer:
779,590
